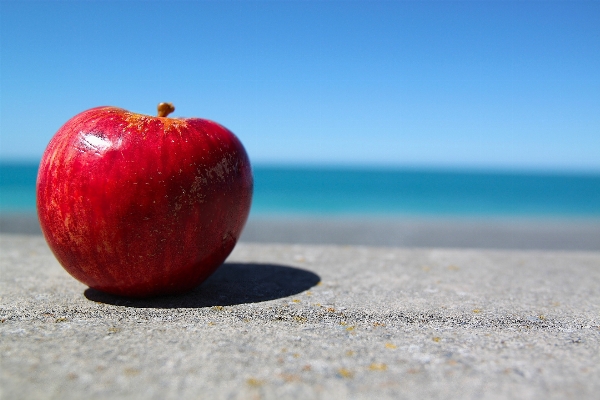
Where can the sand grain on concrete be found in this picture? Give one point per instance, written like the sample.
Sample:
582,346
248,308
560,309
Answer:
297,321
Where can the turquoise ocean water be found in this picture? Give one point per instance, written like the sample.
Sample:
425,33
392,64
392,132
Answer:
382,193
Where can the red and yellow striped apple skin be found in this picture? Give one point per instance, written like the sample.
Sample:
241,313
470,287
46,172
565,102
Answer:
141,206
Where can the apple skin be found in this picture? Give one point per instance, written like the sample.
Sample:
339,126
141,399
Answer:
141,206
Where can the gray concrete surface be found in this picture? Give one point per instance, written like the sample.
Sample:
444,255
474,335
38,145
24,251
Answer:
298,321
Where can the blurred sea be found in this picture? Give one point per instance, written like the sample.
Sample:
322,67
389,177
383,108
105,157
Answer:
382,193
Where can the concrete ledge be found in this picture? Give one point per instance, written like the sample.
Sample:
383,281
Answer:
521,234
297,321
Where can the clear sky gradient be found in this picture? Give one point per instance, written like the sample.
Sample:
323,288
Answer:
495,84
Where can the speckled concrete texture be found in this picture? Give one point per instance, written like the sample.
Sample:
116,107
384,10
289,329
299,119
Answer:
299,321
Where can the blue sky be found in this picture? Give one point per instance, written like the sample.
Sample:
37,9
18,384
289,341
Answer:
510,85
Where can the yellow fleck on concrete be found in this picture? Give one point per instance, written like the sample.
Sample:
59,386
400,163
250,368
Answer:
254,382
378,367
345,373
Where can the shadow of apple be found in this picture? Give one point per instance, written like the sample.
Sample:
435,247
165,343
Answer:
231,284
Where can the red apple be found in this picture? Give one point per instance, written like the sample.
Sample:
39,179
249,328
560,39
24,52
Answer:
140,206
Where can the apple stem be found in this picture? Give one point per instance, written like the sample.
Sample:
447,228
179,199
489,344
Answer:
165,109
